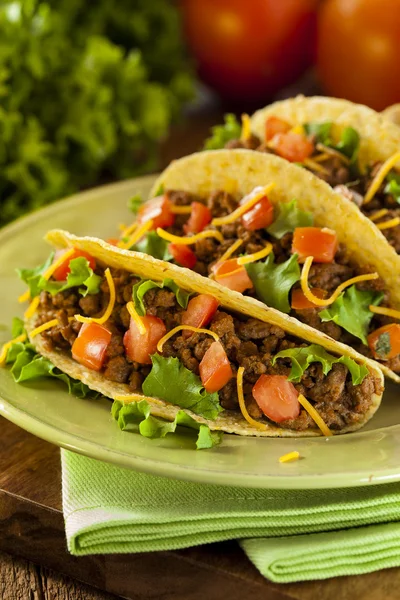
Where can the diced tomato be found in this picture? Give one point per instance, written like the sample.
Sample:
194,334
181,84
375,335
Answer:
159,210
232,275
274,125
276,397
215,368
199,218
138,346
62,272
385,341
260,216
200,311
113,241
314,241
300,302
89,348
295,147
183,255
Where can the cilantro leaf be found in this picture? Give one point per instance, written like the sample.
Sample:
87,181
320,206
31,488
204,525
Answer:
393,185
135,203
32,276
287,218
174,383
273,282
152,244
302,357
221,134
321,131
351,311
140,289
349,143
81,275
138,413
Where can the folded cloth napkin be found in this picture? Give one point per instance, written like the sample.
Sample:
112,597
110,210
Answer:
290,535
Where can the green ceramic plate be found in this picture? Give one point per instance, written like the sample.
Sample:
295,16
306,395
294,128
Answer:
85,426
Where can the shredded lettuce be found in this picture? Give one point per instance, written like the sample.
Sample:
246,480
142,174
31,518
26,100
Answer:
221,134
135,203
321,131
287,217
349,143
142,287
273,282
393,185
32,276
351,311
129,416
152,244
169,380
302,357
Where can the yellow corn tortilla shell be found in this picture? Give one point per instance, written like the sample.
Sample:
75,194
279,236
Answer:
240,171
150,268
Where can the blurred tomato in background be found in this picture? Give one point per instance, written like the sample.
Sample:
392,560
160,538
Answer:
359,50
247,50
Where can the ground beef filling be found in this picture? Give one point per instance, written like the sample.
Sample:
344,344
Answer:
327,276
248,342
342,179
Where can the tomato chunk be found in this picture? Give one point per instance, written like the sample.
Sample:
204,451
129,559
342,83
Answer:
276,397
260,216
385,341
300,302
314,241
62,272
183,255
138,346
90,347
232,275
159,210
274,125
200,310
113,241
215,368
295,147
199,218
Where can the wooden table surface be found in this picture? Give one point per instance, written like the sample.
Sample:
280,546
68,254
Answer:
35,564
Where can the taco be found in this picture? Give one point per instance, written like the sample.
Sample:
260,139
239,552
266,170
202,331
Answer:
266,228
138,329
350,146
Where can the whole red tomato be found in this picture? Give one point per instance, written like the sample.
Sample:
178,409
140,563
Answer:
249,49
358,50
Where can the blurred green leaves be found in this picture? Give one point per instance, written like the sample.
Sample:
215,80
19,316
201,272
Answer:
85,94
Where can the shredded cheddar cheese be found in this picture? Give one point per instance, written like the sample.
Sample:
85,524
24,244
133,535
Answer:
326,150
181,328
289,457
321,157
299,129
187,241
181,210
254,197
128,398
388,224
127,230
315,166
136,235
314,414
380,176
378,215
110,307
30,311
244,260
136,317
382,310
242,404
246,128
5,348
43,327
229,274
327,301
231,250
25,296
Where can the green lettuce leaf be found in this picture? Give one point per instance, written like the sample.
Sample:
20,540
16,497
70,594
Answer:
351,311
287,218
302,357
273,282
32,277
142,287
17,327
152,244
135,203
81,275
321,131
174,383
349,143
393,185
221,134
130,415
